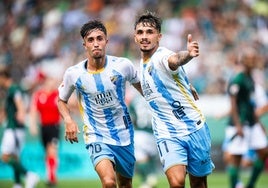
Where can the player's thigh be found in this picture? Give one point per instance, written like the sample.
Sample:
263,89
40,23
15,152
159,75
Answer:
176,175
105,170
262,153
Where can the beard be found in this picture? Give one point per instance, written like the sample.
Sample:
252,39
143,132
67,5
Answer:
97,55
145,50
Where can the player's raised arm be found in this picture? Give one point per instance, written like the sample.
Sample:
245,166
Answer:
183,57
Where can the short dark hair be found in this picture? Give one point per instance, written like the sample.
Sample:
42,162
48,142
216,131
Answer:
5,72
149,18
90,25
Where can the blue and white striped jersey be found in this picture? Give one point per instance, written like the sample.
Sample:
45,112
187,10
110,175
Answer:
169,97
101,97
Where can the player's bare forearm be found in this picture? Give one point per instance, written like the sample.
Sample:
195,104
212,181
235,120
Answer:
64,110
183,57
71,128
2,116
179,59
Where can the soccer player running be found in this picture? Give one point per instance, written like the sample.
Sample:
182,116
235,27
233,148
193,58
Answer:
44,110
100,83
181,132
14,133
244,131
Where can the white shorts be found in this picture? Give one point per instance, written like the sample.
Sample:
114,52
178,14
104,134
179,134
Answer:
12,141
254,138
145,145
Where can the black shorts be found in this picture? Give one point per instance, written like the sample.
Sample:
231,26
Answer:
50,133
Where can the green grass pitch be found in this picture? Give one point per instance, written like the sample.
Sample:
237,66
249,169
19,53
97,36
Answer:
215,180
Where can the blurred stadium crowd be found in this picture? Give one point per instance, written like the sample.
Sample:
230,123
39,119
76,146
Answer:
36,33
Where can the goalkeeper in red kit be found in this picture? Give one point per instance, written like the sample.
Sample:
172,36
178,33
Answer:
44,110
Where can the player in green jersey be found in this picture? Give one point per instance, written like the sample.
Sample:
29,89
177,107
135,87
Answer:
14,134
244,126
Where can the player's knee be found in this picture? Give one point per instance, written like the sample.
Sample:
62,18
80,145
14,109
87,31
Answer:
109,183
5,158
177,182
177,185
176,176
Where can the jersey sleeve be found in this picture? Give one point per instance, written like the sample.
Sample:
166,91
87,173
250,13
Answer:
66,88
18,95
234,86
163,59
132,73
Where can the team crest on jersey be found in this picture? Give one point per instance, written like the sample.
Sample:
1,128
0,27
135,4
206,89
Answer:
150,68
114,79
